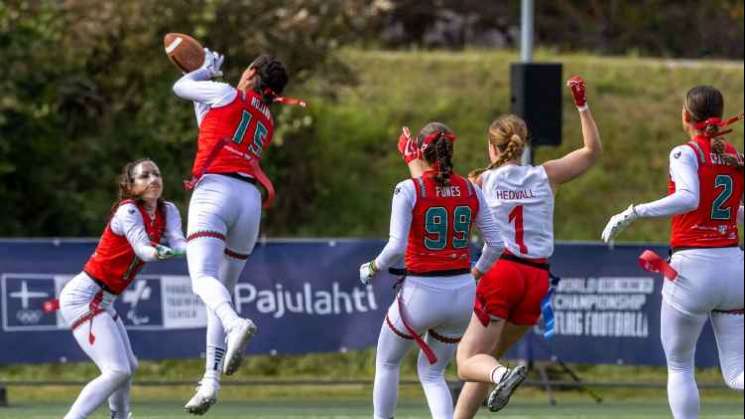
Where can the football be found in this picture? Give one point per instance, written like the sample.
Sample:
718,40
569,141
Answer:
184,51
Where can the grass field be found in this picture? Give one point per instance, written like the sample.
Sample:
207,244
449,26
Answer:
352,402
309,409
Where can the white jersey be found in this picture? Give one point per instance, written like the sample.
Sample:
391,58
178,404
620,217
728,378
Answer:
522,204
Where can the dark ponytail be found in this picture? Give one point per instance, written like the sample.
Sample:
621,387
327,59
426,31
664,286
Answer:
439,152
272,77
444,155
705,105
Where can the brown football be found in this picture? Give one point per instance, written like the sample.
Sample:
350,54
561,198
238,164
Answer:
184,51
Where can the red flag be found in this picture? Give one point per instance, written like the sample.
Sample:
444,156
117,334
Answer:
652,262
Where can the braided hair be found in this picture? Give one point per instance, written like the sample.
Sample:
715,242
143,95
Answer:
439,153
509,134
272,77
702,103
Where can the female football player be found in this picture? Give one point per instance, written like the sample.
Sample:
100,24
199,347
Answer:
430,227
235,127
705,195
508,297
140,220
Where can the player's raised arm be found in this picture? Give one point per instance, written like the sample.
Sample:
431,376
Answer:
198,86
408,147
577,162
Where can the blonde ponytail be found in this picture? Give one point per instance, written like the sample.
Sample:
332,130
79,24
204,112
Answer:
509,134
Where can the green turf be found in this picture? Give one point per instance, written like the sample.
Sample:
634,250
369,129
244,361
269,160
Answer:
518,409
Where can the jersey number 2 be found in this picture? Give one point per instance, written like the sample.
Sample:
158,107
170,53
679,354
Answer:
717,210
257,146
517,215
436,226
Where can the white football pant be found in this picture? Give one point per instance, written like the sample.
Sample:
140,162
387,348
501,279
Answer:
709,286
223,226
440,307
110,349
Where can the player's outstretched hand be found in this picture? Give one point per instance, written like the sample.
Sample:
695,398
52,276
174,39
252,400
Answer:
577,86
164,252
213,62
407,146
367,272
618,222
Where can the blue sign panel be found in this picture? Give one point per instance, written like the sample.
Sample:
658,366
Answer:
305,296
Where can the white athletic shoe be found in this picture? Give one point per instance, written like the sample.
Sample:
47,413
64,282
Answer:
238,338
205,397
500,396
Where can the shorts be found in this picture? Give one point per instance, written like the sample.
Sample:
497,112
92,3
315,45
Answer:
512,291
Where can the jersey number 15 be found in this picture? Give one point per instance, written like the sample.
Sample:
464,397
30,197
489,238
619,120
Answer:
257,145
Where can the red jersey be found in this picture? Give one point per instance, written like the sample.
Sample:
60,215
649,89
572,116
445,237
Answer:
439,237
114,262
714,222
247,126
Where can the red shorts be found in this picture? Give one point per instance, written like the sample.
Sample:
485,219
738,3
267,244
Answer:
512,291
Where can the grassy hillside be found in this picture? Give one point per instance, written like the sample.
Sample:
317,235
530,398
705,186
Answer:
636,102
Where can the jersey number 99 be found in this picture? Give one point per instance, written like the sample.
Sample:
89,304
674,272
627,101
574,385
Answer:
437,222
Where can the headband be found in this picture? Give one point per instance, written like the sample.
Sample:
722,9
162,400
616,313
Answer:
717,122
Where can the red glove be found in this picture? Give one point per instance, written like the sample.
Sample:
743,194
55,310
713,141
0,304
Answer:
407,146
577,86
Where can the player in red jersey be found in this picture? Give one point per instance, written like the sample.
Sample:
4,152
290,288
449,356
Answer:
235,128
430,227
509,296
705,195
140,221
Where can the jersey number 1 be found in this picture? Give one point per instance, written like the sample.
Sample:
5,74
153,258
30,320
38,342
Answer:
517,215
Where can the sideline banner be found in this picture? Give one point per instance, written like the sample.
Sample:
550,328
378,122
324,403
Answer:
305,296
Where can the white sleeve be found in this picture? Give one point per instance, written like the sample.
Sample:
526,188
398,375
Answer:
127,221
493,244
684,173
740,214
174,233
404,199
205,93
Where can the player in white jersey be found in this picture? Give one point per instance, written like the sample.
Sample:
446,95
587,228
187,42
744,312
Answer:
139,221
705,194
508,297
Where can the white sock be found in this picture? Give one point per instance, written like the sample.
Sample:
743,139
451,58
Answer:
498,373
119,400
227,315
95,393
